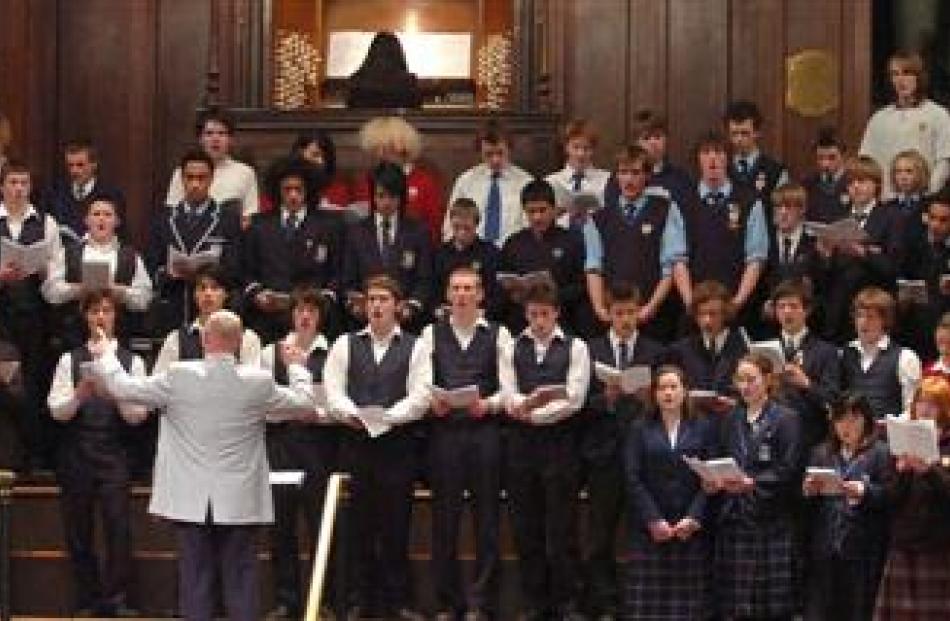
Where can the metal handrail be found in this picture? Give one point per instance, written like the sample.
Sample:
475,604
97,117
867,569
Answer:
331,505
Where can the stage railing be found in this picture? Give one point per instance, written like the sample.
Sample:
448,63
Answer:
332,503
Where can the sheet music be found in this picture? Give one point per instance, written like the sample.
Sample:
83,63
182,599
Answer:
96,275
630,379
30,258
828,480
373,418
917,438
463,397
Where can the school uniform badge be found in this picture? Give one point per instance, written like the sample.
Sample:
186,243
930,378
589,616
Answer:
734,216
477,266
321,255
557,252
646,228
408,259
412,191
844,199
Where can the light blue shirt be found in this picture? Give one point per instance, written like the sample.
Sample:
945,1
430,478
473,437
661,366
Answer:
756,231
750,160
672,247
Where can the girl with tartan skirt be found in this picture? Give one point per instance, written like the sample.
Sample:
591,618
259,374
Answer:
668,574
848,534
755,562
916,583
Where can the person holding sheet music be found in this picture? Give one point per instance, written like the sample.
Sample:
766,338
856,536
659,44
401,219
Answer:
94,463
848,515
642,240
380,367
670,519
810,377
291,446
544,246
392,242
602,426
465,448
296,243
929,261
875,365
545,376
197,224
99,261
755,557
916,580
853,265
185,342
23,312
709,357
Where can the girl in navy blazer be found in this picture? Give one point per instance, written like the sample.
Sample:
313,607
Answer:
668,573
848,534
755,556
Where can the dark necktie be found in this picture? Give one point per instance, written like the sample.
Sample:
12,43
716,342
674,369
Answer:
624,355
788,349
630,211
860,216
786,250
577,179
387,232
715,198
827,181
743,166
493,210
290,226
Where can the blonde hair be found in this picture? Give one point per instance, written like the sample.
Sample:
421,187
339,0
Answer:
912,63
920,166
863,167
790,193
391,132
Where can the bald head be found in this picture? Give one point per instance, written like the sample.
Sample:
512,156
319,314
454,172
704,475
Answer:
221,333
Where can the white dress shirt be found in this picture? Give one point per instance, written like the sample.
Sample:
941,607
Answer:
50,230
211,455
593,182
62,401
232,180
578,379
135,296
250,353
418,381
475,183
464,336
908,366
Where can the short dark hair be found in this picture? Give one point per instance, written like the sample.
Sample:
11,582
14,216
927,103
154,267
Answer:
195,154
542,291
794,288
709,291
95,296
212,272
647,122
217,114
538,190
846,404
492,132
711,140
743,110
79,146
323,140
828,138
391,178
308,295
623,291
13,166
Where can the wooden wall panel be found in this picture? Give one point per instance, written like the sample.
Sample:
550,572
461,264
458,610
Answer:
28,43
756,67
110,102
698,71
812,24
597,70
856,74
648,53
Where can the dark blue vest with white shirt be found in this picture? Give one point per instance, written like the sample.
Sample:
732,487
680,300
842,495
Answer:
454,367
97,416
382,384
879,383
24,295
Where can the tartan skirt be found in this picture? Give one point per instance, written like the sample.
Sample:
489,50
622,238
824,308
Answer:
915,587
668,581
755,570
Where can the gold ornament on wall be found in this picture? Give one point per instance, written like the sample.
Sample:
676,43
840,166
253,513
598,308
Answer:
295,69
811,82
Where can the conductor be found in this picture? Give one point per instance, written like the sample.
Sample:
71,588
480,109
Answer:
211,473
